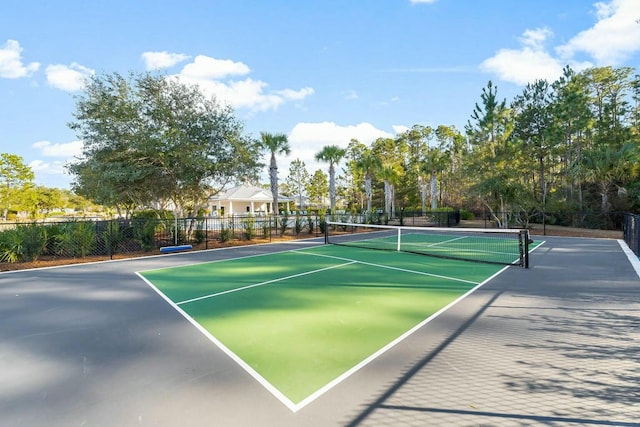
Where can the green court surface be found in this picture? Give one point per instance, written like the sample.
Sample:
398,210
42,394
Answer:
301,320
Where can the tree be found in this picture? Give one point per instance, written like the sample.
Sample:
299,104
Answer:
368,164
331,154
492,162
275,144
535,126
414,147
574,118
453,181
297,180
605,167
148,139
317,188
392,157
389,174
15,177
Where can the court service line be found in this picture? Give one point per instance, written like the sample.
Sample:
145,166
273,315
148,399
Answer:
391,267
228,291
447,241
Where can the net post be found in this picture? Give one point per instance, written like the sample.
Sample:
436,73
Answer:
524,248
326,232
399,234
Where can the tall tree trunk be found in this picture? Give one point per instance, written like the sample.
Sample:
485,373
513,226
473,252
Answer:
368,192
273,177
434,190
423,195
387,196
332,188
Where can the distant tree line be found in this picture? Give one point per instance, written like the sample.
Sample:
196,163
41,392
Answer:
566,146
571,145
19,195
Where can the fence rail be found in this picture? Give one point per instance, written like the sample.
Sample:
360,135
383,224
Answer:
631,232
107,238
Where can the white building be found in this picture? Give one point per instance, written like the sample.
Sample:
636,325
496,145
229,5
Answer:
244,200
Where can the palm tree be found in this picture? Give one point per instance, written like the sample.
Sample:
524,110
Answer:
275,143
331,154
368,164
604,166
389,174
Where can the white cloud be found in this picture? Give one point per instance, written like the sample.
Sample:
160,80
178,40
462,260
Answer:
69,78
530,62
67,150
613,38
330,133
351,95
159,60
11,66
423,1
205,67
398,129
307,139
212,74
40,167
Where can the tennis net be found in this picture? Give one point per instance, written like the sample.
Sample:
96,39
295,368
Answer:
495,246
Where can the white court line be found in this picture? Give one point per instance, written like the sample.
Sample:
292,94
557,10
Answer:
295,407
447,241
262,283
390,267
226,350
633,258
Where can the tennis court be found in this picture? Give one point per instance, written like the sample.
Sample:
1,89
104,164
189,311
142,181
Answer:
300,321
302,333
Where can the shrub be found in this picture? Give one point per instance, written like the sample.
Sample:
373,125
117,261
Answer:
23,243
310,224
112,237
200,234
266,228
466,215
284,221
248,226
145,232
10,246
226,233
76,239
298,224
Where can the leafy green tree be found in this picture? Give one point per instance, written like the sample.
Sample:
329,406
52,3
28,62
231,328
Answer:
297,180
537,130
573,115
492,155
277,143
389,173
331,154
149,139
453,182
606,167
15,177
415,146
392,156
368,164
318,188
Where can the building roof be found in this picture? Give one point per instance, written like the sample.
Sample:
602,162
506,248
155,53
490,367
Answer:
248,192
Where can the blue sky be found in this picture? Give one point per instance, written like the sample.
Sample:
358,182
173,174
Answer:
322,72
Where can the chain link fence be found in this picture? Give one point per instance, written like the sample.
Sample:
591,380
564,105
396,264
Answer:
106,239
21,242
